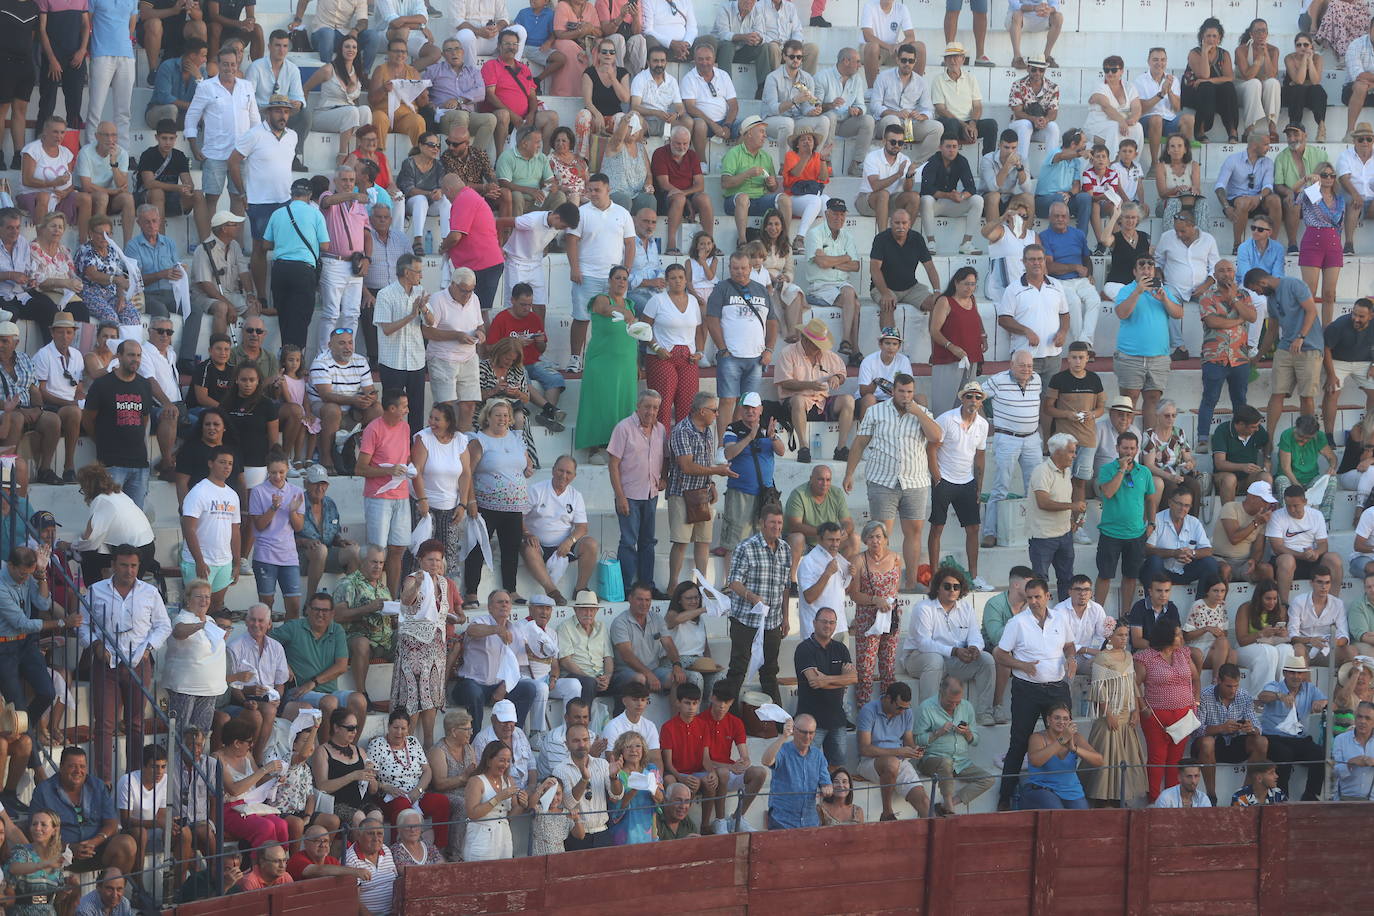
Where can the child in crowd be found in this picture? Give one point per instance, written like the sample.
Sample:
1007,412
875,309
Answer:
1129,174
1101,183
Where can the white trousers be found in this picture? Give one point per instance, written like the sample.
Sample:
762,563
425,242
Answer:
1025,132
1259,99
809,207
419,207
110,76
486,47
1085,305
341,300
1263,662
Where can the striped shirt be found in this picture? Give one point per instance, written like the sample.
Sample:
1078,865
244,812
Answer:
896,453
763,571
1016,409
349,378
375,892
686,439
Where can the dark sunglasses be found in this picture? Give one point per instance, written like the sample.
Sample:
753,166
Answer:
951,586
1259,228
349,728
973,396
430,145
167,331
894,141
1111,69
794,57
252,331
906,60
453,144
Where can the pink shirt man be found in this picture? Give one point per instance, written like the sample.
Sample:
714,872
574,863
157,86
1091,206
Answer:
641,457
480,248
387,444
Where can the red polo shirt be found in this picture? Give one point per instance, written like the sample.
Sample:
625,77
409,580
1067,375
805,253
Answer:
686,741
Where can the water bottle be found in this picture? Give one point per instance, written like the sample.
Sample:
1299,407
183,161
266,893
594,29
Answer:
816,442
429,241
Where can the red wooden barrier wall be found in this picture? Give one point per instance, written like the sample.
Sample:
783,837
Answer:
316,897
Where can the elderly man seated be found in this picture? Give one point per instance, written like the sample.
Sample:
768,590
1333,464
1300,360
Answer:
159,261
584,645
479,677
221,284
808,375
1294,695
101,171
645,651
675,814
369,852
86,809
264,661
269,869
944,727
1178,545
341,389
556,529
887,748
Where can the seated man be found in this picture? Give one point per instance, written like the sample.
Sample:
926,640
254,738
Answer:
90,823
141,799
1297,537
370,853
1240,453
808,376
881,366
811,505
1003,176
674,820
645,651
158,259
959,101
584,644
657,97
1059,179
1297,696
1184,793
948,190
708,95
725,738
59,368
264,660
887,749
503,727
269,869
1261,787
221,284
1238,539
556,528
479,676
1151,609
1317,624
888,182
358,600
943,637
1068,260
685,740
680,186
1230,728
525,321
174,86
317,654
752,448
553,744
1354,770
1032,16
790,102
635,696
524,172
1178,545
1348,354
1245,185
748,177
108,897
944,727
100,172
833,276
164,180
892,262
222,20
341,388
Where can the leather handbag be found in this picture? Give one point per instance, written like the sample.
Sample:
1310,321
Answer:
698,504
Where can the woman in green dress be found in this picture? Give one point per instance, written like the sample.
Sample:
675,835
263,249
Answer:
610,381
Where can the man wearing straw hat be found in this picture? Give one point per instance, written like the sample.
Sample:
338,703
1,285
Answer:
809,376
1289,739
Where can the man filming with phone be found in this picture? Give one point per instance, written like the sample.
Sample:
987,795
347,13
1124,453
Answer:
1144,308
1128,511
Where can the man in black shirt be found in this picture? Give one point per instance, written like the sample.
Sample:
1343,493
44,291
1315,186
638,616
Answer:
116,414
17,70
164,179
824,671
1151,609
892,267
1348,353
941,181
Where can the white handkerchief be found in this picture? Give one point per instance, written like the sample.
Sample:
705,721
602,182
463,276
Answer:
756,649
1314,192
557,567
475,534
509,672
390,609
772,712
538,641
306,718
403,92
428,599
423,531
273,696
760,608
712,598
67,856
882,624
1317,492
1111,195
643,782
565,688
181,292
260,793
546,800
394,482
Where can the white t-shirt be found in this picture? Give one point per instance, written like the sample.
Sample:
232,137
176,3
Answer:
47,168
622,724
216,509
443,468
696,89
52,367
673,328
1297,533
960,446
1364,528
887,26
873,368
689,637
196,665
1147,87
141,803
267,164
451,315
532,234
659,96
157,367
877,166
552,515
603,234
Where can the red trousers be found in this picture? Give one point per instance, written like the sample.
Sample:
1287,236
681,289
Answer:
254,829
677,379
435,806
1161,753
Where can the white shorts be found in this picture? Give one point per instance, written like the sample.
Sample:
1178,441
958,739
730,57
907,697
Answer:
450,381
1345,371
533,274
907,776
733,784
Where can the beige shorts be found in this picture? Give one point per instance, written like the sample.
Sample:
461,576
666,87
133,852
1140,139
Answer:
1357,372
680,531
1300,374
450,381
906,773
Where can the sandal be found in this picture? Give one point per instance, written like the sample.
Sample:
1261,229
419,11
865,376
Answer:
673,253
417,247
1049,59
471,603
1018,63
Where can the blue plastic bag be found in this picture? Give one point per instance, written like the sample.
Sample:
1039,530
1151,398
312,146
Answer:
610,584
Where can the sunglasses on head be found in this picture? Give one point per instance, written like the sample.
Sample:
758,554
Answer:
337,331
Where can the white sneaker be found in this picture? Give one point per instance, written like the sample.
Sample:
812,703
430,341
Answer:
968,248
720,825
1001,715
981,585
1082,537
743,826
574,364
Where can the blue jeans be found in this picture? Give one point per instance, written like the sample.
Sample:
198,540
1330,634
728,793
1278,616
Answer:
1080,206
829,739
1201,568
637,541
1008,452
21,662
1236,378
736,376
1035,797
134,483
546,376
369,43
474,697
1058,552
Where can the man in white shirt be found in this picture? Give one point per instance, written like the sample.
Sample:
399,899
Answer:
672,25
901,96
886,25
489,639
591,783
556,528
791,104
553,746
159,367
1355,173
1178,544
1359,79
823,577
503,727
452,339
635,696
1186,256
1185,793
943,637
841,91
264,660
603,237
889,179
1312,618
1297,536
274,75
708,96
1159,100
880,367
657,97
128,611
1038,648
101,172
59,368
229,110
261,165
528,244
141,800
956,475
1035,311
1088,620
1015,397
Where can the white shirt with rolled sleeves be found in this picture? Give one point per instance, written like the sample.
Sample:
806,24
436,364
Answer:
960,446
160,369
1037,309
1297,533
660,96
1027,640
267,664
228,114
552,516
1166,537
482,657
831,85
135,622
696,89
1303,619
931,629
890,93
602,235
809,571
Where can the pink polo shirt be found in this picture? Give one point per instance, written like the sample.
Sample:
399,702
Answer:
480,247
641,457
347,225
387,445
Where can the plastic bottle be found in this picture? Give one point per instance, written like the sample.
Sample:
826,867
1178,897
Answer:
429,241
816,442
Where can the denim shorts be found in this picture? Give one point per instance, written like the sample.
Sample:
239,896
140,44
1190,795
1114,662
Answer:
1083,463
546,376
912,504
214,174
757,206
259,214
387,521
583,293
736,375
270,577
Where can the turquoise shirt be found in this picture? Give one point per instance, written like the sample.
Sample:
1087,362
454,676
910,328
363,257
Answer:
286,242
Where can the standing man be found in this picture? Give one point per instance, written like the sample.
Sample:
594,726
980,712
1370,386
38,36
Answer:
825,672
348,258
296,257
211,542
452,336
118,407
956,473
229,110
823,577
1127,491
603,237
1077,401
1298,354
635,456
1014,395
261,165
1144,306
1035,311
27,614
740,320
275,75
1227,315
1038,648
112,65
383,454
692,450
751,447
472,241
898,472
757,582
594,782
1053,512
1348,353
401,312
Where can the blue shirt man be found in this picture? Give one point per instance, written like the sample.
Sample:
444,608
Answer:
286,242
799,769
538,26
1058,176
1247,172
171,85
1067,246
1289,301
761,446
92,813
1145,332
154,252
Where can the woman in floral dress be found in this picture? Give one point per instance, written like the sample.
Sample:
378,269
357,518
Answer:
105,277
874,590
417,680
